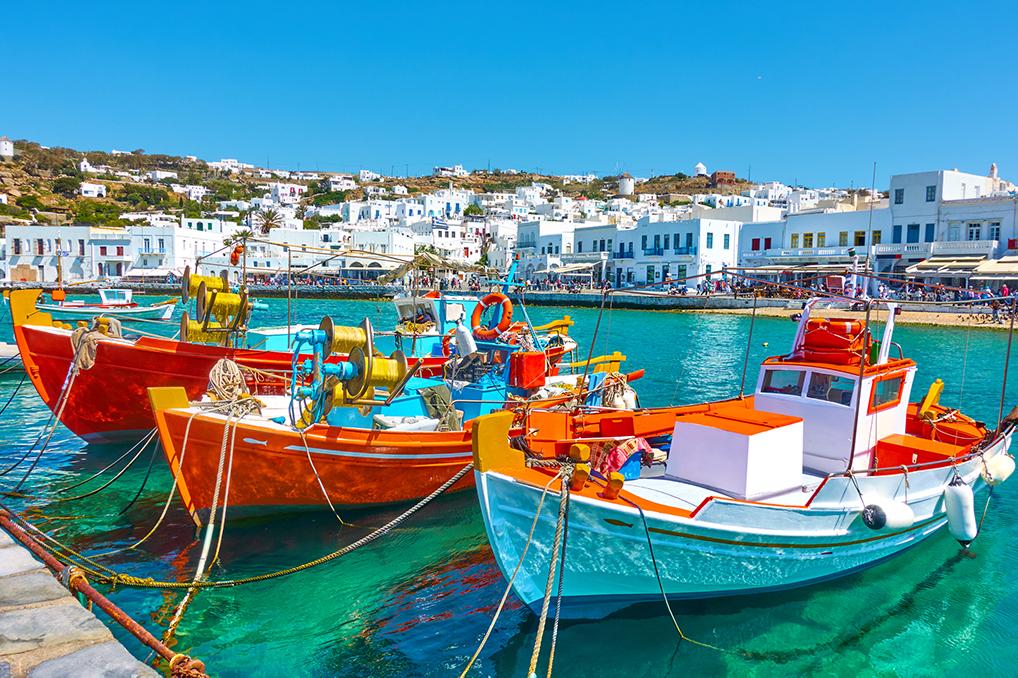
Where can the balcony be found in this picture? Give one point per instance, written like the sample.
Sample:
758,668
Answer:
653,251
685,250
624,254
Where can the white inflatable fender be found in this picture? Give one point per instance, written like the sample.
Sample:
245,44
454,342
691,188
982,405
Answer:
998,469
887,514
959,503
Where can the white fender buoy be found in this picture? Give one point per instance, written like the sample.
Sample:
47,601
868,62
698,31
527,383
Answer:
998,469
629,398
888,514
959,503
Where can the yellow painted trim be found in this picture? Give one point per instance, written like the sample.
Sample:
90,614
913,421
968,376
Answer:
23,311
490,437
931,399
167,398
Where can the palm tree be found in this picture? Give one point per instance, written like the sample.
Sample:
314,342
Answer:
239,236
268,219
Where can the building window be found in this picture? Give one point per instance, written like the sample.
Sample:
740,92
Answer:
675,239
807,240
767,243
650,274
994,230
860,238
912,234
929,232
643,243
689,242
120,251
708,269
899,196
81,248
102,250
728,241
975,231
877,237
710,240
821,239
148,246
579,246
795,241
931,194
896,233
755,244
843,239
657,242
162,246
667,241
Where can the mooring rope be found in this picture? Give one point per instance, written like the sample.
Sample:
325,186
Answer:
120,579
556,543
512,577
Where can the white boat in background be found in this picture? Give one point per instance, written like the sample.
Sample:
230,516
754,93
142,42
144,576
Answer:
115,302
825,470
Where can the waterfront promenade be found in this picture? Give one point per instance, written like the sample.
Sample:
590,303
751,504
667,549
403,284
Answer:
45,632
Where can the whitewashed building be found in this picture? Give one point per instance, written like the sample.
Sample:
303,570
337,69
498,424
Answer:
6,147
89,190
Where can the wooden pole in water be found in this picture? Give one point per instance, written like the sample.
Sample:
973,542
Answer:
749,342
1007,360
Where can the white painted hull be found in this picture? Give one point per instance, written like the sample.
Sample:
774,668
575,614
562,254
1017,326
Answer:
727,548
145,312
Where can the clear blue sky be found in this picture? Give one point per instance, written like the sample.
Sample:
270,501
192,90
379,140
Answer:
809,91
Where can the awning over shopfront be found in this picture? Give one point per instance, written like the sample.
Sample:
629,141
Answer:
569,269
947,266
1005,268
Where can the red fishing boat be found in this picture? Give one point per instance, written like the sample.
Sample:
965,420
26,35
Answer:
109,400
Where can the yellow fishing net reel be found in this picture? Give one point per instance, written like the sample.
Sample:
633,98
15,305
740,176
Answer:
319,386
189,284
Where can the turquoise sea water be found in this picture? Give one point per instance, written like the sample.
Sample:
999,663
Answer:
416,602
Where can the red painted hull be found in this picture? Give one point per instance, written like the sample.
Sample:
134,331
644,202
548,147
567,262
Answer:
270,467
110,401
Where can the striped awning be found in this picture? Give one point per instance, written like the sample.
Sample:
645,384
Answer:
947,265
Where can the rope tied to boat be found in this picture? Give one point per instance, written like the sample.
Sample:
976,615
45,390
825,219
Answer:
566,474
512,577
122,579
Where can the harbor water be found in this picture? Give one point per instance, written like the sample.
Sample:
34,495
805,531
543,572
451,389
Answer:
416,602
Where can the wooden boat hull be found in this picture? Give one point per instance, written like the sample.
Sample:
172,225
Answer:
62,311
109,402
270,466
721,547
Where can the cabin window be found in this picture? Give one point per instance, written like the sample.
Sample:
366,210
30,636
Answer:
886,392
787,382
833,389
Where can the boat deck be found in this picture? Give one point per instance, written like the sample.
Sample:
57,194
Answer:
671,491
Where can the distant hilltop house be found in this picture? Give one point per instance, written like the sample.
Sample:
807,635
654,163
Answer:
6,147
92,190
700,170
722,178
454,171
159,175
368,175
342,183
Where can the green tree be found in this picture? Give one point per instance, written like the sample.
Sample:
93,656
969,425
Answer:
268,219
238,236
67,186
473,210
97,213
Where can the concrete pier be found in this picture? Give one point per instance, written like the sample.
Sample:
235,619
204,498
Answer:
45,632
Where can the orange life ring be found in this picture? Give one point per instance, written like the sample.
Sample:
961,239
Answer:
446,349
433,294
489,333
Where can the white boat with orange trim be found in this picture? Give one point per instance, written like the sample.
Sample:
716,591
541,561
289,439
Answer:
825,470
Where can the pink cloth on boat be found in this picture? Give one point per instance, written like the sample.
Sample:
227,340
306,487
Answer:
609,456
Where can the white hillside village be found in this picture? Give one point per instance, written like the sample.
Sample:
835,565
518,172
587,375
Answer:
940,226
